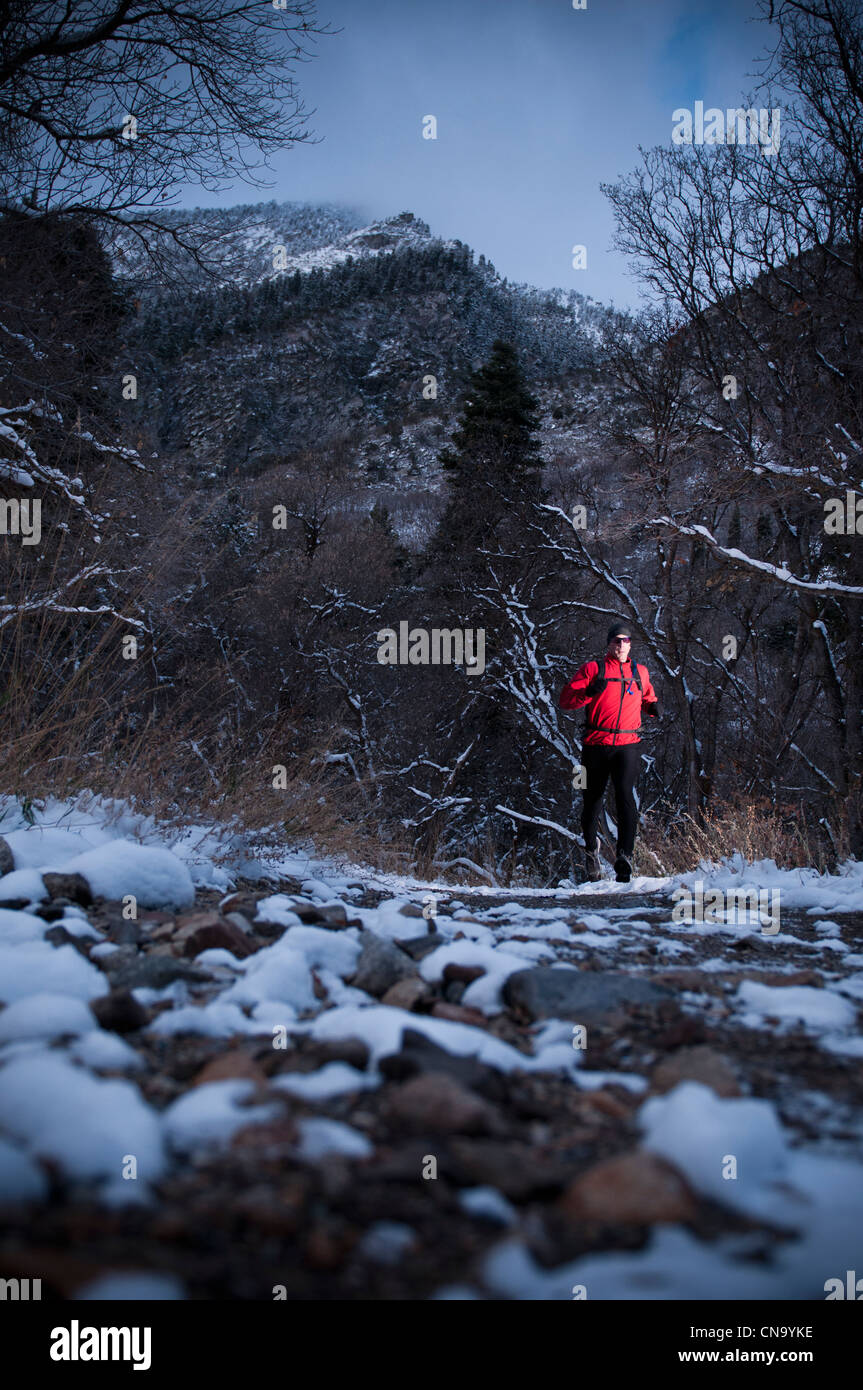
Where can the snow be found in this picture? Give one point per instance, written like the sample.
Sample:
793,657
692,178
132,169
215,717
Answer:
213,1020
208,1116
275,974
819,1009
278,909
23,884
59,1111
60,1108
386,1242
154,877
381,1027
40,845
852,984
334,1079
105,1052
16,927
822,1200
20,1179
32,967
483,993
799,888
319,1138
698,1131
44,1015
488,1203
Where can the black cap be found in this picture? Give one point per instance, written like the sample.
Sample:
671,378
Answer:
618,630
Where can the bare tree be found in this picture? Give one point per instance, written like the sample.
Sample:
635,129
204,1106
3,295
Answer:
108,106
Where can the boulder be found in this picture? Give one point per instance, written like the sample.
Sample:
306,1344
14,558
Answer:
7,858
634,1189
380,965
438,1104
72,886
119,1011
585,996
695,1064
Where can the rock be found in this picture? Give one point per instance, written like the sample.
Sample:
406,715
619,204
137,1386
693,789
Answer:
163,934
380,965
697,981
315,914
15,904
419,1056
780,980
155,917
207,931
124,931
50,912
119,1012
410,910
606,1104
233,1065
150,972
244,903
464,974
59,936
418,946
334,915
632,1189
275,1213
681,1032
751,943
438,1104
328,1245
582,995
403,1162
7,858
72,886
274,1141
695,1064
351,1050
517,1170
407,993
240,921
459,1013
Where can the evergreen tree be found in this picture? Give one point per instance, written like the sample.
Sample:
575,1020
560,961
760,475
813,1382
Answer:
492,461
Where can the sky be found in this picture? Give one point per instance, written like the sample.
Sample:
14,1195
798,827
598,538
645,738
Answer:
536,103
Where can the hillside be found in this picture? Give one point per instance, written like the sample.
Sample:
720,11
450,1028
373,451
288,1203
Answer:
256,363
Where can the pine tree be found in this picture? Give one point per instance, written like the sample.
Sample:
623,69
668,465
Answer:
492,460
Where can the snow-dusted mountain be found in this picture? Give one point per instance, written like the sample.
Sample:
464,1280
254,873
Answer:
253,243
309,323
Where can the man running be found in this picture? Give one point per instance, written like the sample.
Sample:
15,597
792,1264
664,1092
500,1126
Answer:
611,743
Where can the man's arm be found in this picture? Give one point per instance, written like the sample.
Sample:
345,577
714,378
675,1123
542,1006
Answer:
584,687
650,700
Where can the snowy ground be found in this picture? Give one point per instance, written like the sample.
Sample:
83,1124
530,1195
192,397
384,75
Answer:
739,1094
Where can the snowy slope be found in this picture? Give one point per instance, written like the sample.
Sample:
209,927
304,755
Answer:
75,1095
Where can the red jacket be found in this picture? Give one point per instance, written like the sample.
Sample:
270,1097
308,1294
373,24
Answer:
618,709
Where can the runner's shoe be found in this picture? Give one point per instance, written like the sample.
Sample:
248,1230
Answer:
622,869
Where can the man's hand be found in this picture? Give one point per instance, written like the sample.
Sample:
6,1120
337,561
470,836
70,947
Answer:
653,709
597,685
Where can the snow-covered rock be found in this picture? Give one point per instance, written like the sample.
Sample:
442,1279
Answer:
86,1126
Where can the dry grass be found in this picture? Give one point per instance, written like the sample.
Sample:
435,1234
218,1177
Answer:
75,717
756,829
